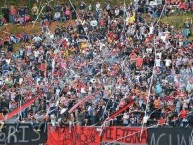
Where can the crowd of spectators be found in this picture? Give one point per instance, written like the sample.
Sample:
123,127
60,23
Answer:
62,12
113,54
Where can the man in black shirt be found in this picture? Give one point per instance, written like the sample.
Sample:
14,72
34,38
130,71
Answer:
73,10
5,12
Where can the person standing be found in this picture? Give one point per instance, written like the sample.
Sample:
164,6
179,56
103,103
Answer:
73,10
12,14
35,11
5,12
82,6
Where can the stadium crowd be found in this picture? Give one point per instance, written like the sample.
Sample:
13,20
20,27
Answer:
112,55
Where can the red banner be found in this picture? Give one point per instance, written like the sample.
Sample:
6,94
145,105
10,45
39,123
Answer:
90,136
76,136
23,107
124,135
79,103
116,113
58,136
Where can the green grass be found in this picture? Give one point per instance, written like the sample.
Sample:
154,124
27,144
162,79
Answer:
18,29
178,21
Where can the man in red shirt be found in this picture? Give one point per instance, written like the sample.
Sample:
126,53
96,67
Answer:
43,67
133,56
139,62
161,121
12,14
183,116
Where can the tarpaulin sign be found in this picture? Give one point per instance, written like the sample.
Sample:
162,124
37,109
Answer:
124,135
58,136
77,135
170,136
85,136
24,136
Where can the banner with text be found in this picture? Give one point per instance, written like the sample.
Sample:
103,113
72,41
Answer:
170,136
76,135
22,135
125,135
91,135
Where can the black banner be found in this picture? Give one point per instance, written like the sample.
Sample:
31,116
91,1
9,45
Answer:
24,135
170,136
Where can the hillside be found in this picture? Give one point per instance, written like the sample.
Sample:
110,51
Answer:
30,2
176,20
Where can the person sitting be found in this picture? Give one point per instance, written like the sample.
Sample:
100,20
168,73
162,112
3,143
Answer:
45,24
67,14
57,16
25,37
14,39
19,36
2,21
10,47
37,38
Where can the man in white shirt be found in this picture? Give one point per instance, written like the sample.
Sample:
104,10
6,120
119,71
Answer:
151,29
167,62
126,118
157,61
117,12
54,121
57,16
98,5
37,39
36,53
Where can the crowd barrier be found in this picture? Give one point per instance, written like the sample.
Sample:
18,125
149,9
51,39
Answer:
84,135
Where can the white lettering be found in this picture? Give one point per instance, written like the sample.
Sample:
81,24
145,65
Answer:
178,139
11,136
2,136
170,139
190,140
163,134
11,133
183,142
23,133
152,142
38,138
